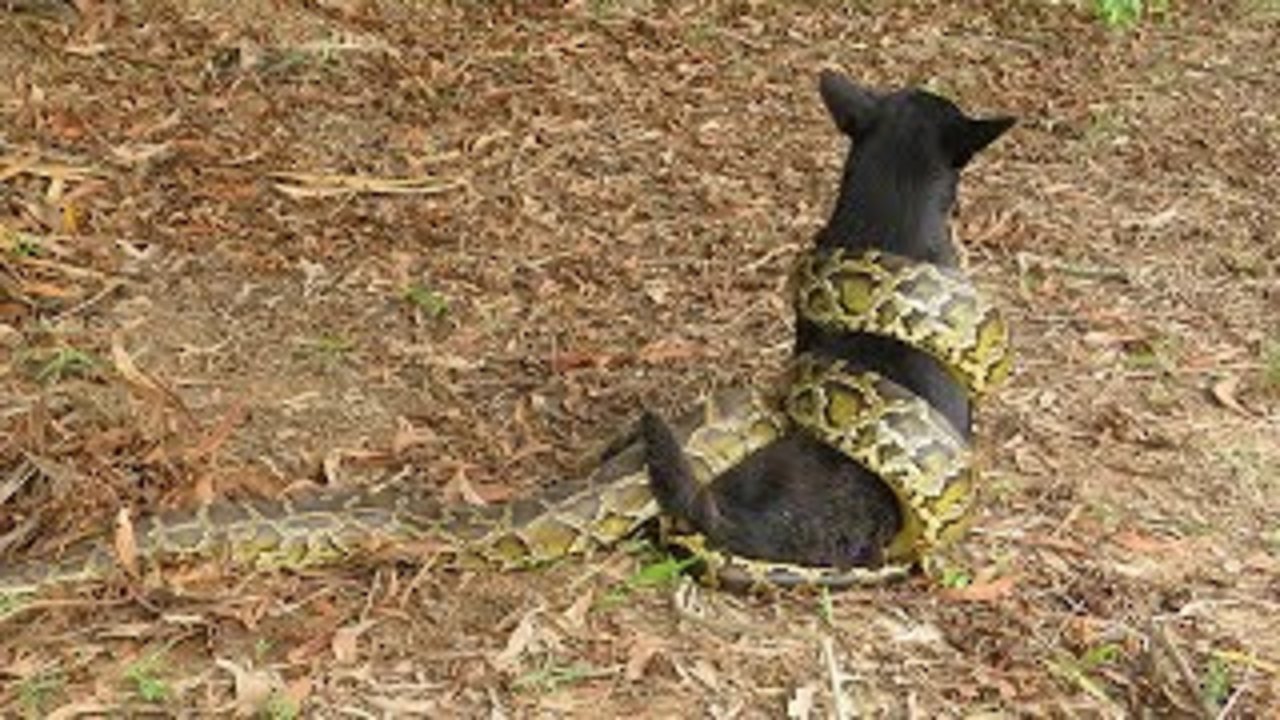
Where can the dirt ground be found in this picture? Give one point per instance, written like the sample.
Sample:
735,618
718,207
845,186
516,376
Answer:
564,212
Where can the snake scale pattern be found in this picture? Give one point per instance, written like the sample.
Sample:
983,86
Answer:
563,519
872,420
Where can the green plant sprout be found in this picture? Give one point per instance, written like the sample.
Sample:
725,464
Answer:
66,362
664,571
144,676
431,303
1124,14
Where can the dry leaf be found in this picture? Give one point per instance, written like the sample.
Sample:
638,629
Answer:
33,288
203,489
461,487
125,542
147,387
310,648
576,614
408,436
334,459
668,350
983,591
254,689
1225,391
29,163
346,640
801,705
902,630
643,649
404,707
297,691
518,642
220,432
1137,542
82,710
70,219
127,631
705,673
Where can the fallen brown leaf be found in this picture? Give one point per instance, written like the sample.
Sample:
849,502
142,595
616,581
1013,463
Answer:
983,591
1137,542
49,291
125,543
297,691
518,642
147,387
577,360
642,651
311,648
668,350
576,614
337,457
346,642
1225,391
460,487
221,431
409,436
254,688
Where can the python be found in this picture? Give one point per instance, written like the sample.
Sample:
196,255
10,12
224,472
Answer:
892,342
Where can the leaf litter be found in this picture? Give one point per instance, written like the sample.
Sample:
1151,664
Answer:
620,188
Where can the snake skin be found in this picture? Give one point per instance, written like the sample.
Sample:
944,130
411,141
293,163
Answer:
873,421
564,519
930,307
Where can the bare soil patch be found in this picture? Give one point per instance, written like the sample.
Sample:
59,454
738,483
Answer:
604,201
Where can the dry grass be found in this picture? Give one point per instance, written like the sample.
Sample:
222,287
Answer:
604,198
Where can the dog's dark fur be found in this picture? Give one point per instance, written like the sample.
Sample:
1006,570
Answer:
798,500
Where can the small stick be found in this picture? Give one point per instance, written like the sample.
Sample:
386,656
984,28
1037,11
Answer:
843,711
89,302
1092,272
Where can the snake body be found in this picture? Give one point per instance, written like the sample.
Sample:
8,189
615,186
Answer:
322,529
897,435
890,430
921,456
893,344
929,307
870,419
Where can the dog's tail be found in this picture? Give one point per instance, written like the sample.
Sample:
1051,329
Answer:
671,480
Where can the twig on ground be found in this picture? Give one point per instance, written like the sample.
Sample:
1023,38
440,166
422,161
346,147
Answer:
92,300
1092,272
22,474
836,677
315,185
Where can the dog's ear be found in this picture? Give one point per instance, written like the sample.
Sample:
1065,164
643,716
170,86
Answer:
964,137
852,107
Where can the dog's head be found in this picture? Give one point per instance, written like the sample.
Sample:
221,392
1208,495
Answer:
900,177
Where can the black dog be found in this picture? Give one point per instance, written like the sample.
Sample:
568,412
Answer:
798,500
